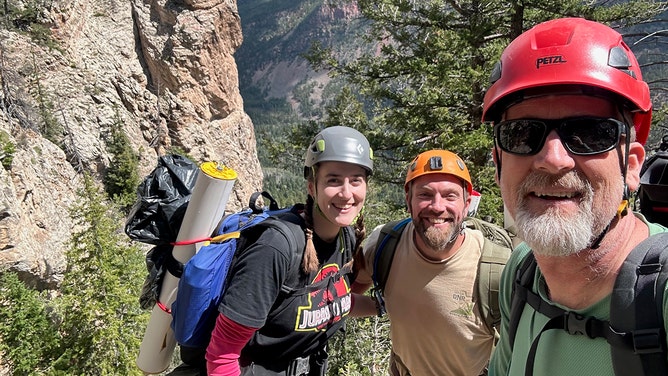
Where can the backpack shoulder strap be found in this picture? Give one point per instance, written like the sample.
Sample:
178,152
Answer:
523,278
636,308
295,283
492,261
386,245
350,240
522,294
288,224
350,243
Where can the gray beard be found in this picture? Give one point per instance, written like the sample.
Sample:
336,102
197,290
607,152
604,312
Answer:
553,233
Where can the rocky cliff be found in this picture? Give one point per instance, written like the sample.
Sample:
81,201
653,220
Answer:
161,69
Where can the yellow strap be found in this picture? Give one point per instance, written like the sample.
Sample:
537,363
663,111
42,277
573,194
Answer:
623,209
223,237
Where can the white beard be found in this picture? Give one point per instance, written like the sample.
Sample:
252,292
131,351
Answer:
554,233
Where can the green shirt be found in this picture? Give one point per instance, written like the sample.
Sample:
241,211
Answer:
558,352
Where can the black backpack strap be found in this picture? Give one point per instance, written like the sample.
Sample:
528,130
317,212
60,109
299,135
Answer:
558,318
522,294
296,285
524,276
637,309
288,224
256,208
350,241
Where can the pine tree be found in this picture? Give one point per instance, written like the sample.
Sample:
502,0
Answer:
102,324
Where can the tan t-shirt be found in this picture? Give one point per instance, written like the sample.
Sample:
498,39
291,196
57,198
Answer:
435,327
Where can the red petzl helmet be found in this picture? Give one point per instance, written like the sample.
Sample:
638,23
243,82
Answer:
570,52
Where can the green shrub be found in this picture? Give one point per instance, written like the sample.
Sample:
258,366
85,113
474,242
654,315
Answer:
7,150
29,339
122,176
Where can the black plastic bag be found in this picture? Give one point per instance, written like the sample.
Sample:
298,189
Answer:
162,199
159,260
155,266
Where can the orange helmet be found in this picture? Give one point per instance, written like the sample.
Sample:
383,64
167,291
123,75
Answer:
570,52
438,162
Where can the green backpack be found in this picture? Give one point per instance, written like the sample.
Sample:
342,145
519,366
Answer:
495,252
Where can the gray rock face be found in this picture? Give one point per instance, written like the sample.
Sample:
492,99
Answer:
161,69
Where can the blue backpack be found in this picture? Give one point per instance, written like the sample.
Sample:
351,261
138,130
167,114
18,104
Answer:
205,275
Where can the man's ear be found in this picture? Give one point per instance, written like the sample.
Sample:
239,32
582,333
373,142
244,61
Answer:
407,195
496,158
636,158
467,204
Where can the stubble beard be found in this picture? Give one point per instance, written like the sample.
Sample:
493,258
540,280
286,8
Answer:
555,232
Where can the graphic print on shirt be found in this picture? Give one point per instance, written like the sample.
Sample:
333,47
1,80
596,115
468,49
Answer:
326,305
465,304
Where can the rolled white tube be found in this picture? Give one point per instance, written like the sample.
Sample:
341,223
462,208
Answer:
206,206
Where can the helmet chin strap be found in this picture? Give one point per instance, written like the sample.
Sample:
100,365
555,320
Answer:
498,161
623,208
456,234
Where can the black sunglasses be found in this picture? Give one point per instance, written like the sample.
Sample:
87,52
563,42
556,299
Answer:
579,135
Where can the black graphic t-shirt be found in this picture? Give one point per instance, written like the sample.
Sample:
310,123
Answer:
291,324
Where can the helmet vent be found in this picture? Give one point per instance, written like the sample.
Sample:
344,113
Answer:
319,146
496,73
